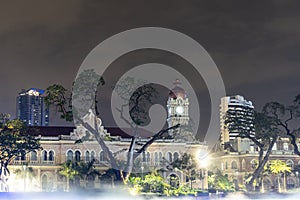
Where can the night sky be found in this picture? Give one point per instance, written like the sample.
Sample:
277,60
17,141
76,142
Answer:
255,45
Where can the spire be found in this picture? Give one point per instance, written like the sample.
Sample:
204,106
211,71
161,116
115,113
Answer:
177,91
177,82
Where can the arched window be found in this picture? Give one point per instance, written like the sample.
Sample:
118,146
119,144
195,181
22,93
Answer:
44,183
226,165
77,156
169,157
23,156
51,156
33,156
234,165
148,157
160,157
102,156
70,155
87,156
243,164
176,156
155,157
93,155
144,156
44,156
290,163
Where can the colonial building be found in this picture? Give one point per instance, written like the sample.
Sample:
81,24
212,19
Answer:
40,169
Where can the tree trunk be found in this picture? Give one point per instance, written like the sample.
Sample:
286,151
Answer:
130,159
68,184
279,187
261,165
262,186
284,182
4,175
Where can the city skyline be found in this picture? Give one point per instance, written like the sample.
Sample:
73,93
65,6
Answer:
255,50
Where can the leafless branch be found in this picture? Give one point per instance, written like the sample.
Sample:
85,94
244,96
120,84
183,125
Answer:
101,142
155,137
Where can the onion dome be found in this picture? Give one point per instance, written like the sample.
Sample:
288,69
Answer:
177,91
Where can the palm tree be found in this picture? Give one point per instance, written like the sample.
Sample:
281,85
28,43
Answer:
86,170
277,167
69,171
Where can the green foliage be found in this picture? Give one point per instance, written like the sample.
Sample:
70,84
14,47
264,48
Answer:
151,183
15,141
78,169
279,166
84,91
60,97
4,118
154,183
185,162
86,169
69,170
220,182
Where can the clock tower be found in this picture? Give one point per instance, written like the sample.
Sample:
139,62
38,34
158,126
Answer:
178,107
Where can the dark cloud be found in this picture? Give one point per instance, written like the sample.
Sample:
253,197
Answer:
255,45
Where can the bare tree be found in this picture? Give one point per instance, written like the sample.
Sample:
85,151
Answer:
269,125
84,95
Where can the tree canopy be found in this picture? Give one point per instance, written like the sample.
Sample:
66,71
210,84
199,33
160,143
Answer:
15,141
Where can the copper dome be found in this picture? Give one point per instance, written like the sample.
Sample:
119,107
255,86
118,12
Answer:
177,91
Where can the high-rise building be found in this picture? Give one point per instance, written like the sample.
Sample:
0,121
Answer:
240,108
31,107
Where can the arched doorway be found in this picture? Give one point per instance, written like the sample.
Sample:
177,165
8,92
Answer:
290,183
47,183
174,180
267,184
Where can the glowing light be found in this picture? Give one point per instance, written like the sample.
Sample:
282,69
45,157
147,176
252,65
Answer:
202,158
133,191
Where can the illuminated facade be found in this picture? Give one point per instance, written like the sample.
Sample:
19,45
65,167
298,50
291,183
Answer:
31,108
59,145
238,158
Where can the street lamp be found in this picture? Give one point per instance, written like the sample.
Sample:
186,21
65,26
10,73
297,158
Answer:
189,164
142,167
297,174
24,179
237,179
204,160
